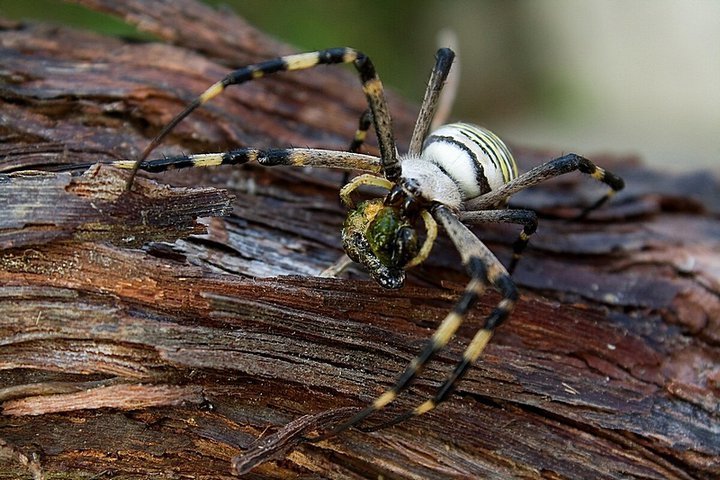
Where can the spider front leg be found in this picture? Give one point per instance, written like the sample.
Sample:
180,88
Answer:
431,101
371,85
292,157
483,268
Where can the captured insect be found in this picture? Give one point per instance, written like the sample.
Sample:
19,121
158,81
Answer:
459,174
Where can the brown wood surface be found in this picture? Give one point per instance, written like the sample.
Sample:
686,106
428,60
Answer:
175,360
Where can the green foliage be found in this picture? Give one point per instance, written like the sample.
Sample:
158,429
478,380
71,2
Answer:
62,13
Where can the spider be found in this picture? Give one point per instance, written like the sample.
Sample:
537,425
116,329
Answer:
459,174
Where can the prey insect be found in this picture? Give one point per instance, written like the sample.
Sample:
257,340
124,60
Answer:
458,175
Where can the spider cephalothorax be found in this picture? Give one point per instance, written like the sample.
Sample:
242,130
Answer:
459,174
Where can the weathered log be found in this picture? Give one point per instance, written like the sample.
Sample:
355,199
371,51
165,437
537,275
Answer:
43,207
175,360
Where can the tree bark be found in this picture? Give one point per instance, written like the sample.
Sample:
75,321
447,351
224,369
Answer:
204,354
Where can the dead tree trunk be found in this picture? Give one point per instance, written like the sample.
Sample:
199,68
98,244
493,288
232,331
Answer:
174,359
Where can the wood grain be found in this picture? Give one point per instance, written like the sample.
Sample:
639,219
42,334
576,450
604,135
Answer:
178,358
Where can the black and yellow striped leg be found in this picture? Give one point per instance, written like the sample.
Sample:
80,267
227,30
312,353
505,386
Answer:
361,133
293,157
443,62
526,218
371,85
359,138
481,264
440,338
483,268
559,166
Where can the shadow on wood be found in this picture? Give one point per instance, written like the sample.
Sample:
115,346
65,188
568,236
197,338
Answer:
174,359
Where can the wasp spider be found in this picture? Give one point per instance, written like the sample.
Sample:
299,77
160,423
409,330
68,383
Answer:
459,174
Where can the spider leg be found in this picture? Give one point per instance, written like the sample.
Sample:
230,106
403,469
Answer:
442,335
483,267
481,264
443,63
431,235
435,100
447,38
359,138
361,132
355,183
559,166
338,267
371,85
295,157
526,218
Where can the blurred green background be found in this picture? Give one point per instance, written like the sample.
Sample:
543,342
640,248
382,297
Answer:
633,76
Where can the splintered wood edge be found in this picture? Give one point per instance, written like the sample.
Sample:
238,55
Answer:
44,207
